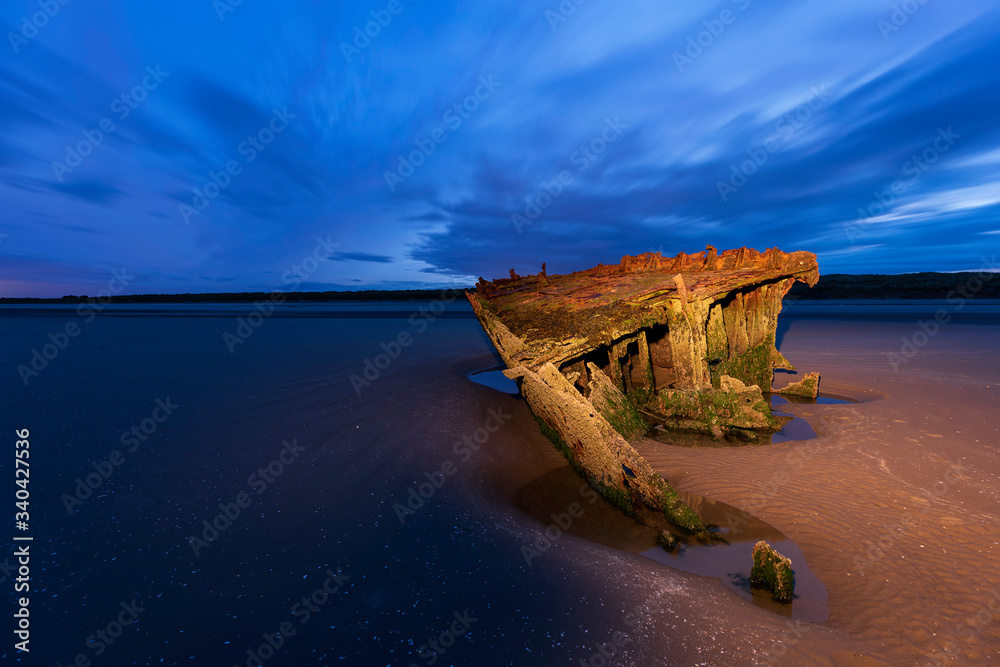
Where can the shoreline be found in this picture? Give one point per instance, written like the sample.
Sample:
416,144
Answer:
900,535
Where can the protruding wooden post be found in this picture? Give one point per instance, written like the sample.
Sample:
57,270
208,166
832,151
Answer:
646,363
619,350
615,368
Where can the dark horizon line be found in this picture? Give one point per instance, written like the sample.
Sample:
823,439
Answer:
918,285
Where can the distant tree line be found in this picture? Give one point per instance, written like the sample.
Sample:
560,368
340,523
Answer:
240,297
902,286
832,286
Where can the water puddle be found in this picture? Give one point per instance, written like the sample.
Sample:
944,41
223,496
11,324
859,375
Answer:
564,503
822,399
795,427
550,498
495,379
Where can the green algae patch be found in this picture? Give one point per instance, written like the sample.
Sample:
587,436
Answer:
773,572
614,406
675,511
753,367
807,386
666,540
620,499
731,406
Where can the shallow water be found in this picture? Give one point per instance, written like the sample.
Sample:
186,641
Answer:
495,379
366,443
547,498
366,447
796,428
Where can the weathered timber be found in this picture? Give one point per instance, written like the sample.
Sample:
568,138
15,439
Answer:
687,341
808,386
772,571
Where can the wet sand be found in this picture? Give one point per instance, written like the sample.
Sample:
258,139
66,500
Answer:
894,506
464,547
895,503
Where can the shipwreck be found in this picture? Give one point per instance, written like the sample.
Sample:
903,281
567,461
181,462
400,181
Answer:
685,342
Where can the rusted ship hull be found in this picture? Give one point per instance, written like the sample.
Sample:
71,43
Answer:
687,341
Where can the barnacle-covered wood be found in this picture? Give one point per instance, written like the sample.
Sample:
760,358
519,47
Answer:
689,340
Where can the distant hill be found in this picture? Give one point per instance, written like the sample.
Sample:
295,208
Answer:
832,286
241,297
901,286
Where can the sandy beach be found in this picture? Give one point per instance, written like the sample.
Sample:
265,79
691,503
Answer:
430,491
894,506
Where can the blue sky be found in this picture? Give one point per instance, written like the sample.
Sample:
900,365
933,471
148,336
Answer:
463,138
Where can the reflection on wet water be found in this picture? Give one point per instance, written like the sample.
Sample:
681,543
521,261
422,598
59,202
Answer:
822,399
794,428
562,502
565,504
495,379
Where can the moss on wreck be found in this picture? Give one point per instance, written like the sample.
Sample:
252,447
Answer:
487,305
680,403
717,341
751,367
679,514
772,571
643,320
714,409
620,499
807,386
674,509
666,540
621,413
556,439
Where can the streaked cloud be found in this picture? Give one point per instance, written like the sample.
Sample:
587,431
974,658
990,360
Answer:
656,186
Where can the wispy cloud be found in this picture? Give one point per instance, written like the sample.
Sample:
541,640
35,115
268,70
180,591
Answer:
654,187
